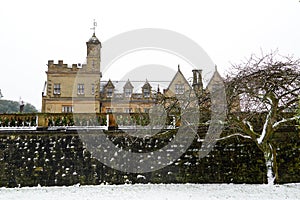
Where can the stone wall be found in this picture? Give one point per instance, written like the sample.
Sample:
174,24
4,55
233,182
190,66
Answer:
60,158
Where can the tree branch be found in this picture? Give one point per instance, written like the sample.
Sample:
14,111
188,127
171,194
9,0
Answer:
264,131
245,128
276,125
282,108
235,134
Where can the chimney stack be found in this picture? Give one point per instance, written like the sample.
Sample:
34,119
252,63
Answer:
197,81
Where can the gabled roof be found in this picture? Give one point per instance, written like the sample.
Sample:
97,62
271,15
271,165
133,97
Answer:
137,85
147,85
109,84
216,78
128,85
178,74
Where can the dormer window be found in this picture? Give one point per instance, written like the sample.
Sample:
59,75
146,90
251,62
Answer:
128,87
146,92
128,92
146,89
109,89
109,92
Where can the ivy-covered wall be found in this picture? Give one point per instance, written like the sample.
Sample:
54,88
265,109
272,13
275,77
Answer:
60,158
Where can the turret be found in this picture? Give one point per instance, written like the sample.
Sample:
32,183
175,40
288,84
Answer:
93,54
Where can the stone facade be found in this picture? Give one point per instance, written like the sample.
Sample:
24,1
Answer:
78,88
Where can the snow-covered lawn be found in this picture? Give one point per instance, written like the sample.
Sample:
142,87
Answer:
156,192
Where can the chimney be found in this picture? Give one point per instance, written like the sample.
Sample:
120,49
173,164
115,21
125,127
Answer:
194,76
197,81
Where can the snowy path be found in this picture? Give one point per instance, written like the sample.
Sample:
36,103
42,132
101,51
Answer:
156,192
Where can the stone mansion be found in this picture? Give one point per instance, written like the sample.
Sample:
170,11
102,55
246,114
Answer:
78,88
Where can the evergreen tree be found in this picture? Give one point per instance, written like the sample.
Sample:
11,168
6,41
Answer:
7,106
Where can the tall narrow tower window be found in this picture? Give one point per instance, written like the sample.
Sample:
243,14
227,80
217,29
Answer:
93,89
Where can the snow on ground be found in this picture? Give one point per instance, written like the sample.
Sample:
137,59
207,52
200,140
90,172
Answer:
155,192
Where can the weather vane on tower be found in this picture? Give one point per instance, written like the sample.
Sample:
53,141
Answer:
95,25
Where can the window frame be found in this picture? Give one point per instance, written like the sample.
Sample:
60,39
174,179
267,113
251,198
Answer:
128,110
80,89
67,109
109,92
146,92
179,88
93,89
56,89
128,92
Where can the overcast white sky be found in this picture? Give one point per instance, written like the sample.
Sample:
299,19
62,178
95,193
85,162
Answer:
33,32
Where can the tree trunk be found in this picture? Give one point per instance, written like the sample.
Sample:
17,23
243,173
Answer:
270,161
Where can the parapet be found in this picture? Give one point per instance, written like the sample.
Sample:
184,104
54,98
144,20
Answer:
62,67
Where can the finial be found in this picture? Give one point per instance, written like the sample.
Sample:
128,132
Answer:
216,68
158,89
94,26
178,67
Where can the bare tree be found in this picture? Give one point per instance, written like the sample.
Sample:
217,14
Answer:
268,89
